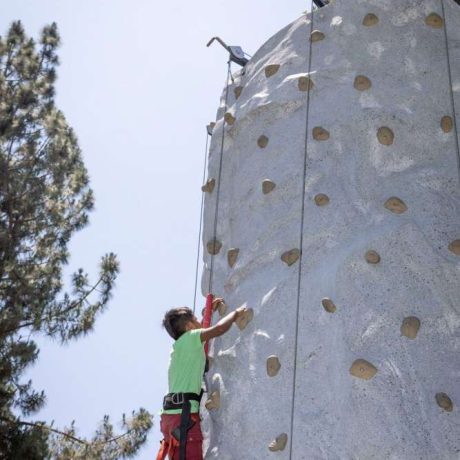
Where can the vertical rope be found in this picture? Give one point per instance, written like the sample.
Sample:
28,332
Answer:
201,222
449,70
216,214
299,277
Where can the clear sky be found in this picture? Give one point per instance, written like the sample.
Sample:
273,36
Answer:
138,84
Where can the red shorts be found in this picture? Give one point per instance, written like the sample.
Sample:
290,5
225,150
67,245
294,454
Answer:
170,446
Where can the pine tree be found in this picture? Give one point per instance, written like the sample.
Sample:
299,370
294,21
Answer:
45,198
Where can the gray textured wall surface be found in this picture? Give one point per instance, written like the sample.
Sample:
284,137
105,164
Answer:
381,173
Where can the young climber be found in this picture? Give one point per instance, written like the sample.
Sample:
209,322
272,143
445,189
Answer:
180,420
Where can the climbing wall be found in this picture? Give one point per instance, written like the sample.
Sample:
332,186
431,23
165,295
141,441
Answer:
332,211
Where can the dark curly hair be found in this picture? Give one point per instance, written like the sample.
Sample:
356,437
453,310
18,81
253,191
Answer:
175,321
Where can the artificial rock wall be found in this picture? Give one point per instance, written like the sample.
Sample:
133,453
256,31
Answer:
338,224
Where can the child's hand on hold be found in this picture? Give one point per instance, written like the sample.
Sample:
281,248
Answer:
239,312
216,302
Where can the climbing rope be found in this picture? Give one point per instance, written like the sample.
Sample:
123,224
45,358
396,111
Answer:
449,70
302,213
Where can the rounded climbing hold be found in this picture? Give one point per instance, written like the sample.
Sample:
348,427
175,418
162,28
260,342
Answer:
229,118
214,246
262,142
444,402
372,257
290,257
329,305
237,91
267,186
316,36
279,443
370,20
434,20
245,318
395,205
362,83
214,401
232,256
385,135
321,199
271,69
410,327
221,307
273,365
305,84
363,369
447,124
209,186
320,134
455,247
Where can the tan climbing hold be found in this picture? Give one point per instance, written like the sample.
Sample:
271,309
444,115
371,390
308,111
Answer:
271,69
363,369
214,246
273,365
329,305
209,186
290,257
222,308
279,443
385,135
316,36
214,401
362,83
321,199
455,247
447,124
232,256
444,402
434,20
372,257
238,91
262,142
410,327
320,134
210,127
370,20
267,186
305,84
229,118
395,205
245,319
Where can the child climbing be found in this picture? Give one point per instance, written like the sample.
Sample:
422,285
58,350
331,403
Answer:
180,420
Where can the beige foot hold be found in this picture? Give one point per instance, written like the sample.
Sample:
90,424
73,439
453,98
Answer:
321,199
232,256
447,124
290,257
273,365
372,257
434,20
271,69
329,305
444,402
214,401
267,186
238,91
305,84
279,443
209,186
229,118
396,205
455,247
370,20
410,327
362,83
385,135
210,127
316,36
262,142
244,320
214,246
363,369
320,134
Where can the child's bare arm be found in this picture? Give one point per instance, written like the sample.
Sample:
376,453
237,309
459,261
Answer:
222,326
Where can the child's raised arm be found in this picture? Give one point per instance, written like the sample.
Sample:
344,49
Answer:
222,326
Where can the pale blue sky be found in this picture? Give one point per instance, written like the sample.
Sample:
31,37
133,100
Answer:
138,84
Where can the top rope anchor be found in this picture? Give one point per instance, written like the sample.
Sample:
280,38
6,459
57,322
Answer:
237,55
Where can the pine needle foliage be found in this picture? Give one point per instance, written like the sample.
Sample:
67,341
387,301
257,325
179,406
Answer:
45,197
